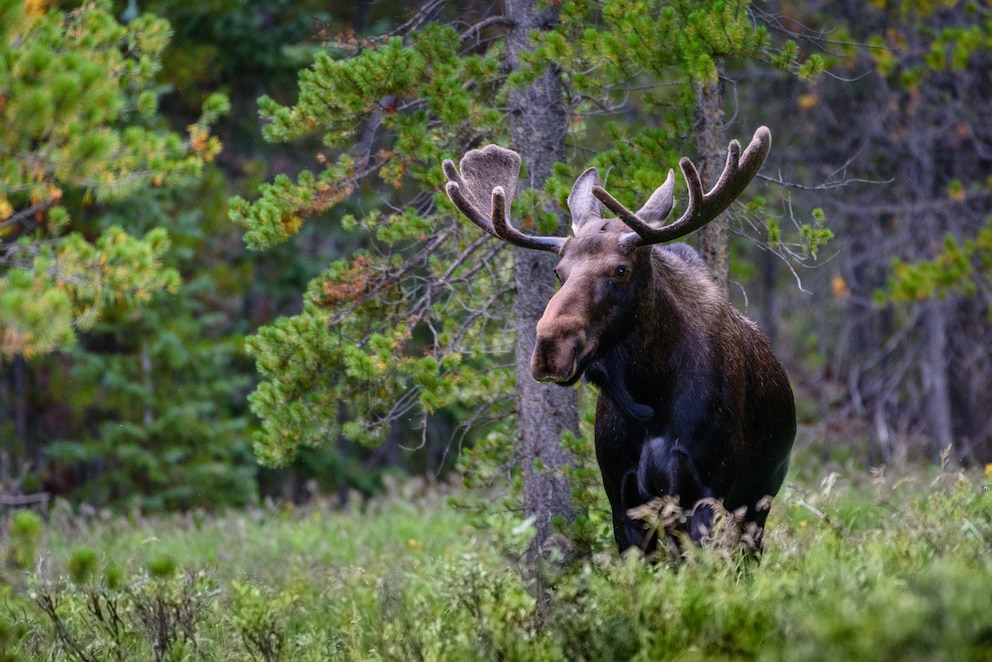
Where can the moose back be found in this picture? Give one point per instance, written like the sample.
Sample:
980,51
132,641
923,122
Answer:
693,404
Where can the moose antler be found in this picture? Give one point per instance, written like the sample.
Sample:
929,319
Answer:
491,172
703,207
489,175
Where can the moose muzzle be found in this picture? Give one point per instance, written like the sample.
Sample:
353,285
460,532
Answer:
561,351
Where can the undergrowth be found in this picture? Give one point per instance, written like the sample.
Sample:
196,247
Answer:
855,568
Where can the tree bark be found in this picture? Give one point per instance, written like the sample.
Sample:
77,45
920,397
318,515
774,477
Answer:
538,123
20,366
768,263
710,122
935,378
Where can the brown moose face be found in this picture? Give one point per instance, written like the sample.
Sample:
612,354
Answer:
605,266
600,281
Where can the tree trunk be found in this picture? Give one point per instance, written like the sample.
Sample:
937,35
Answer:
27,447
768,263
544,411
710,118
148,382
935,377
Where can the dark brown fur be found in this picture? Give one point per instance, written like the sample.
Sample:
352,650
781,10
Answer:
693,403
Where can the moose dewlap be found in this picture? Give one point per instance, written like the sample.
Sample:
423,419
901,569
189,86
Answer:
693,404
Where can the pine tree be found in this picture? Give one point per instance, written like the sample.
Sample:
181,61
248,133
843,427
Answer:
78,103
151,399
410,324
80,135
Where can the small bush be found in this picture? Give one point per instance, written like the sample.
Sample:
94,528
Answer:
82,564
26,528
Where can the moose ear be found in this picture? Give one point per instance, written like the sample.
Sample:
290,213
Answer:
659,205
581,202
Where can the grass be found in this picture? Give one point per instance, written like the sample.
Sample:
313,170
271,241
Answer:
857,567
261,545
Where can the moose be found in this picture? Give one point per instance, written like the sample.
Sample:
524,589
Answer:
693,404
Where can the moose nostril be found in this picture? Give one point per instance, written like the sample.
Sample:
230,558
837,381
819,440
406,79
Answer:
542,365
555,357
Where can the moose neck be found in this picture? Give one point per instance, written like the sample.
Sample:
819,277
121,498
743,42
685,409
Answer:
667,339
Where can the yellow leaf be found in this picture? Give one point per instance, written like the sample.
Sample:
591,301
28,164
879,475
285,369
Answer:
839,288
808,101
35,8
955,191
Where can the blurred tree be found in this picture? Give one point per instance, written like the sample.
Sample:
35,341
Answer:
907,115
80,131
78,104
249,48
152,398
147,406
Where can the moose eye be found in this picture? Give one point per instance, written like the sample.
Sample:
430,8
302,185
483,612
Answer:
622,272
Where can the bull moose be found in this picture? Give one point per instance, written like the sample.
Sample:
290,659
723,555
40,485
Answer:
693,404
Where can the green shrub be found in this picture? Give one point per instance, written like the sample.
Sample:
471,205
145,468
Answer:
853,569
26,528
82,564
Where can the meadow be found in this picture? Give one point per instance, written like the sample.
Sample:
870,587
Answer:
857,566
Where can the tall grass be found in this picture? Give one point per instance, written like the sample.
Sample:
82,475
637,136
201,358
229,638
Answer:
856,568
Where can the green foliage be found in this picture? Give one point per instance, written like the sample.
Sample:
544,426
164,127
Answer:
938,47
78,118
11,633
678,43
410,328
788,57
592,527
815,235
962,267
262,619
116,269
854,564
649,59
32,313
82,564
430,113
157,393
151,617
356,327
26,528
242,43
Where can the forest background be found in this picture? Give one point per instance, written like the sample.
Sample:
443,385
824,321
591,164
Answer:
132,314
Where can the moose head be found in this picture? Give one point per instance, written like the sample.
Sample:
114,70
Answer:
606,263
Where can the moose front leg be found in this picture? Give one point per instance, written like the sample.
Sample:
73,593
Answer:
620,485
628,531
618,449
742,528
668,471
